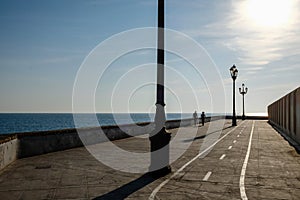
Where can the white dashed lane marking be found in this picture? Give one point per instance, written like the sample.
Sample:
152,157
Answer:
222,157
206,177
156,190
229,147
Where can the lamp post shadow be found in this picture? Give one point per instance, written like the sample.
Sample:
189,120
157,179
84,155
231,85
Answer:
128,189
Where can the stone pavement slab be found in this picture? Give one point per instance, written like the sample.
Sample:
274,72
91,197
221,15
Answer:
273,170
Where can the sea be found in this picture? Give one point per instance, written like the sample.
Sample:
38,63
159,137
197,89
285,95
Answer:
31,122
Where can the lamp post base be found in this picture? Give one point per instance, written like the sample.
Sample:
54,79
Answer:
159,144
233,122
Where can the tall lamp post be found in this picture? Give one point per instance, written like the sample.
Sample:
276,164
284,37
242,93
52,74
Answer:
233,73
243,91
159,138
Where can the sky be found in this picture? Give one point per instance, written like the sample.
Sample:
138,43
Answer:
44,46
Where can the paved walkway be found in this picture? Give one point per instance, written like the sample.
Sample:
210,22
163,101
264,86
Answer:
270,169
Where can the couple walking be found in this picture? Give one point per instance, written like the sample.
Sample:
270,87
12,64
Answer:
195,116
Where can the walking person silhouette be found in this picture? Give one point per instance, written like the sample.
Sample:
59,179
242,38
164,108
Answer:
195,116
203,118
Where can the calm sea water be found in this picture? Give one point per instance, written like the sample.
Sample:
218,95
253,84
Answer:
23,122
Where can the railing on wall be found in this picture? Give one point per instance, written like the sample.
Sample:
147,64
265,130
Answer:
285,115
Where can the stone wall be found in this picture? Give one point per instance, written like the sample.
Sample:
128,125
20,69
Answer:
21,145
284,114
8,152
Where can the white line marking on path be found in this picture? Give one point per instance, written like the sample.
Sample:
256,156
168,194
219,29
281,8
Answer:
154,192
238,135
243,172
229,147
223,156
234,141
206,177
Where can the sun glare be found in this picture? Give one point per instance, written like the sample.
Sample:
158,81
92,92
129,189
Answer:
270,13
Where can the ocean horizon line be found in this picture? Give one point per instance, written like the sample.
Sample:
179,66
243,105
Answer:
249,114
28,122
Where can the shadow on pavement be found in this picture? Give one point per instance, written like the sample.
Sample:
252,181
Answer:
128,189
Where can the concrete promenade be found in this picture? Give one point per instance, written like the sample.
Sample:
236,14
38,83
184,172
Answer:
268,169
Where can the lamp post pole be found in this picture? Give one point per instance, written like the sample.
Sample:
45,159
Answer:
233,73
233,110
160,97
243,91
160,138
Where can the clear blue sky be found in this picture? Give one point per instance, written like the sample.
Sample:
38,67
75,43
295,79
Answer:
43,44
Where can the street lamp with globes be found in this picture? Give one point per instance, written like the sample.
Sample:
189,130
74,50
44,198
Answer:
243,91
234,74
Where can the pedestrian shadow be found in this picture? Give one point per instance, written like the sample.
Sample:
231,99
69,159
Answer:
207,134
128,189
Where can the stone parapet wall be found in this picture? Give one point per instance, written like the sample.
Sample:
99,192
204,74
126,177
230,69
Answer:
21,145
8,152
285,115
